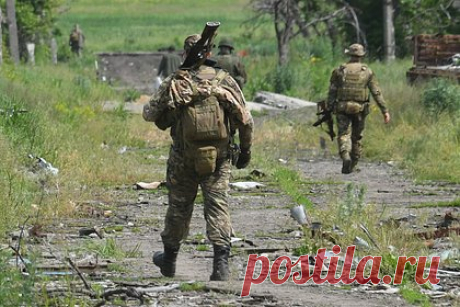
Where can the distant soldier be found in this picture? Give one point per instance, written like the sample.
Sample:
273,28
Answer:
170,62
231,62
76,40
350,86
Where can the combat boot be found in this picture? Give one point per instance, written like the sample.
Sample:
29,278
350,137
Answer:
220,270
354,163
346,166
166,261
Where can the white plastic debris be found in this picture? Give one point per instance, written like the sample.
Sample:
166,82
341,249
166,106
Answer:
361,243
299,214
246,185
148,185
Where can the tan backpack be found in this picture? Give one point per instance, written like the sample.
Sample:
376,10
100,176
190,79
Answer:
353,93
205,126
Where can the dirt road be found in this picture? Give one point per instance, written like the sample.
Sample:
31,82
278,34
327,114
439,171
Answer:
261,216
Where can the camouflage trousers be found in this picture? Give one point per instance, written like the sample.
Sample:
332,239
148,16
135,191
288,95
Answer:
350,133
183,182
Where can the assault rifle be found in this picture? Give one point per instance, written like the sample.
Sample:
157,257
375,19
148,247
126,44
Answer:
326,117
197,55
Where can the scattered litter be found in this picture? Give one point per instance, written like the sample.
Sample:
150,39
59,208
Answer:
282,161
149,185
447,254
85,232
258,173
42,164
299,214
246,185
122,150
361,243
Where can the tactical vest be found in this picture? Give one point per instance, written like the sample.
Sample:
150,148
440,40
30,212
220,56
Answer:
354,83
205,126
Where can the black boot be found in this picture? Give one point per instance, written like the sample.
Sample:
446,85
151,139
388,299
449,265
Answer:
346,166
166,261
220,269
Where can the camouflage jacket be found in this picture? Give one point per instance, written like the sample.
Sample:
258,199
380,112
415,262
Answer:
337,82
234,66
180,89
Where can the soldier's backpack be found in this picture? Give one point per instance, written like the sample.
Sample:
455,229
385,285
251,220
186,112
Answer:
353,93
75,38
205,127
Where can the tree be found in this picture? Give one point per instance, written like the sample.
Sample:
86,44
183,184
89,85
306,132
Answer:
292,18
35,21
388,31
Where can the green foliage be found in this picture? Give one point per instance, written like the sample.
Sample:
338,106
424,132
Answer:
442,95
413,296
195,286
16,289
109,248
35,22
282,79
291,183
202,247
131,95
353,204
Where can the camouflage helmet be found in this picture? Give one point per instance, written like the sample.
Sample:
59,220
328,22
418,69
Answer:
355,50
226,42
191,40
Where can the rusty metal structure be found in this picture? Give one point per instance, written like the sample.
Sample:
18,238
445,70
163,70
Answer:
435,56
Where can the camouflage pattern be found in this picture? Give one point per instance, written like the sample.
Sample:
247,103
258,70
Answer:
170,62
233,64
347,93
183,182
76,40
164,109
355,50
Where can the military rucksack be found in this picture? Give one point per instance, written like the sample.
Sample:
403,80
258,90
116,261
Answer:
353,93
205,126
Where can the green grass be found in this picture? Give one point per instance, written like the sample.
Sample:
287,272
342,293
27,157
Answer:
453,203
415,297
147,25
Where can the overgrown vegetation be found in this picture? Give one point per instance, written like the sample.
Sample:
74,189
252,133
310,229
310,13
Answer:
64,123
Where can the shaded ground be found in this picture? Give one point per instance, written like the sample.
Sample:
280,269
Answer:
261,216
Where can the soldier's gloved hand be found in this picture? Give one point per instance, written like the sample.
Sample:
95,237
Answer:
244,158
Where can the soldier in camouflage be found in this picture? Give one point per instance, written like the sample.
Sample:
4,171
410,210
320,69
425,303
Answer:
76,40
348,98
170,62
167,109
231,62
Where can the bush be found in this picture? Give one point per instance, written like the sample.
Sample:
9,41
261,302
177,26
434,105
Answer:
282,79
440,96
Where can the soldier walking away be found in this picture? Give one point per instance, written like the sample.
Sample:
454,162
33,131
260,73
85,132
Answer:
203,106
76,40
349,89
231,62
170,62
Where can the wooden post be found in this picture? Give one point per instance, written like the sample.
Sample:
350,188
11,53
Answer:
13,29
54,50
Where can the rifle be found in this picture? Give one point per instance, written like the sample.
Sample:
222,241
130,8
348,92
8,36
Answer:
326,117
197,55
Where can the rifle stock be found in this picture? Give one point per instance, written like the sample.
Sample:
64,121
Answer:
197,54
326,117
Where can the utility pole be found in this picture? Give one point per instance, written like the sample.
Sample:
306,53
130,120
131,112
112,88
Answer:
13,30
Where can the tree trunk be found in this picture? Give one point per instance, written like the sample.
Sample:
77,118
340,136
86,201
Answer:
388,31
1,37
13,30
